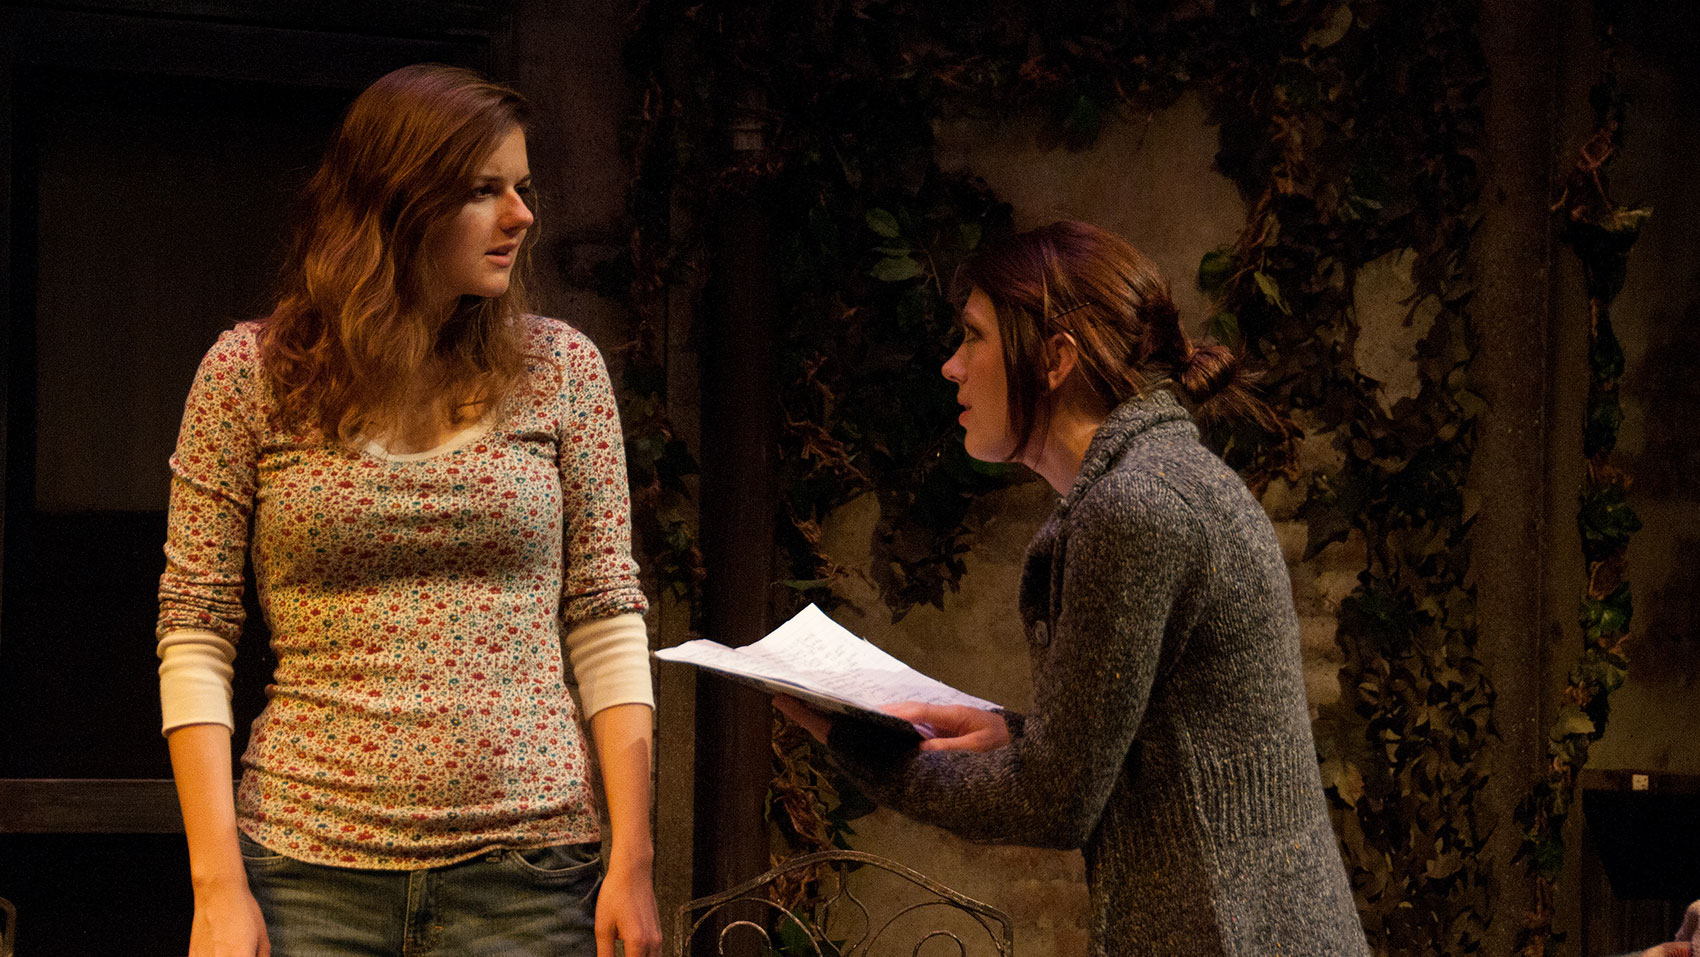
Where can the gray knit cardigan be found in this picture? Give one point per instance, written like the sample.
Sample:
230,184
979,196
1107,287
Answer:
1169,737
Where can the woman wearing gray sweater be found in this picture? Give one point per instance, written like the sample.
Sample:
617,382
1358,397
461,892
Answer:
1169,738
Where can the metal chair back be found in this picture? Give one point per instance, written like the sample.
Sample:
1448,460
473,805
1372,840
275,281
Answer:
931,919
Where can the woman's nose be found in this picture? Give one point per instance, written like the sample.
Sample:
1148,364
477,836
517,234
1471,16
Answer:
952,368
518,215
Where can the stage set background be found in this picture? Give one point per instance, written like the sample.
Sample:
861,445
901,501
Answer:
152,149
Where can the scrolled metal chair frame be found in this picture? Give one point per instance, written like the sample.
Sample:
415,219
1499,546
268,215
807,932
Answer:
996,924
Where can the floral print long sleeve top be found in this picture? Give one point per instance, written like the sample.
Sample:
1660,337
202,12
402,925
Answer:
418,714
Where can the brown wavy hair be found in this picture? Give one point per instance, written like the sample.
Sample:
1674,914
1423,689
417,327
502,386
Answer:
1108,297
349,347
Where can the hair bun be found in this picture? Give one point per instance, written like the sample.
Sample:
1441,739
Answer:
1208,371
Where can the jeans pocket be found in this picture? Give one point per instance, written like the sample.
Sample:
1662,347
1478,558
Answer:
559,863
255,854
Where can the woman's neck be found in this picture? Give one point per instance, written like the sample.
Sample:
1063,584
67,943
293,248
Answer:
425,421
1062,449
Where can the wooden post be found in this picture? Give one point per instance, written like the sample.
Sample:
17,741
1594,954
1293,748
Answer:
739,418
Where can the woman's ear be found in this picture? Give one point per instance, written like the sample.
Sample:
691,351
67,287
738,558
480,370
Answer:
1061,357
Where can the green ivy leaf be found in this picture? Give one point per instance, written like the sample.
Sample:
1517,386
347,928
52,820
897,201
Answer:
1470,404
1471,501
1605,355
895,269
1081,118
1549,859
1271,291
970,233
791,939
1605,520
1331,32
1605,415
1344,779
1571,721
1443,866
1215,268
1627,219
1224,327
1600,672
1607,617
883,223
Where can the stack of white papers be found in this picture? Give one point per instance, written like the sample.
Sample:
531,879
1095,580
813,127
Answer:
819,662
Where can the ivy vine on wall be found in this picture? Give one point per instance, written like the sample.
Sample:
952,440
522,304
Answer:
1600,232
1348,126
1352,135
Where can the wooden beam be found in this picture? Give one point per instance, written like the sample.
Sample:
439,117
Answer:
89,806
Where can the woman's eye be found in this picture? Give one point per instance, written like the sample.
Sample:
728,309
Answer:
483,192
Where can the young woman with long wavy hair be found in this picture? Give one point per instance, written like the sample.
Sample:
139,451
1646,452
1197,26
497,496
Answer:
1169,737
429,483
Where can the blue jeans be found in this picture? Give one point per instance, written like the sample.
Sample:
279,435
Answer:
539,903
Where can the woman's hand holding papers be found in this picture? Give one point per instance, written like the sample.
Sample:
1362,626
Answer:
953,727
946,727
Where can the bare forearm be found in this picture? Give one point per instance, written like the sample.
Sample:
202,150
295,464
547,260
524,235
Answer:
625,908
622,734
200,762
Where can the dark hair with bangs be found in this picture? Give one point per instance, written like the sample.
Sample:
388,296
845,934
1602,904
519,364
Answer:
1093,286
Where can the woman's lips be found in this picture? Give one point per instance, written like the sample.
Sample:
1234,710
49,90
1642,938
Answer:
502,254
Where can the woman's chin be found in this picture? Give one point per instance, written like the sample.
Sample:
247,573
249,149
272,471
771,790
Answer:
995,455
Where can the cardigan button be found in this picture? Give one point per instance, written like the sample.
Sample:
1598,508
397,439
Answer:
1040,633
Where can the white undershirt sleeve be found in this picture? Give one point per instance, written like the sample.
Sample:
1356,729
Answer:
610,658
194,679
